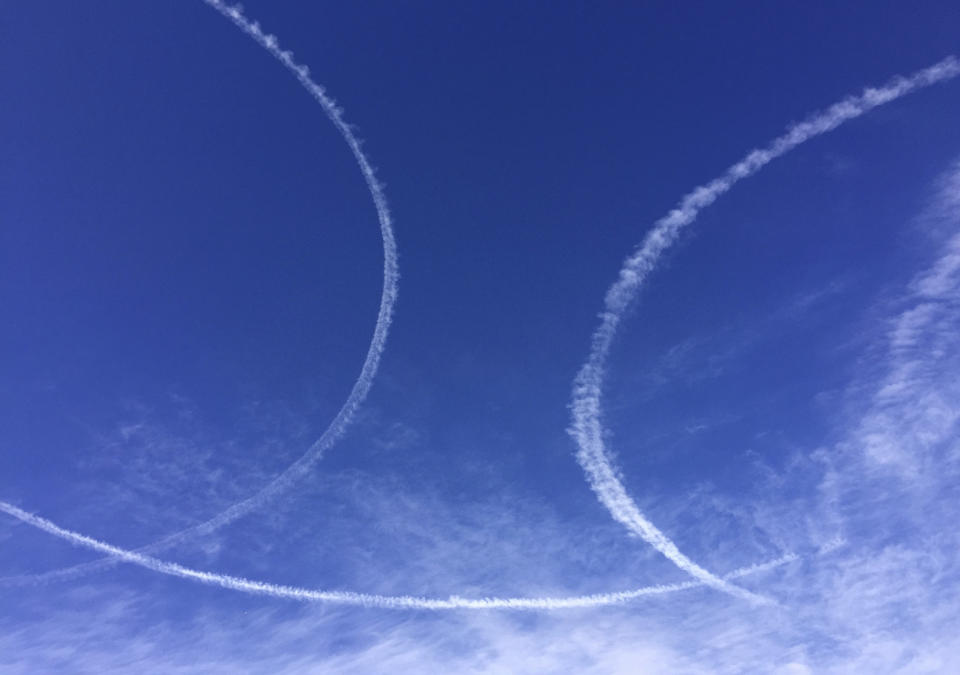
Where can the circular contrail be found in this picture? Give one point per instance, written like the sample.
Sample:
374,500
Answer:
361,387
587,427
352,598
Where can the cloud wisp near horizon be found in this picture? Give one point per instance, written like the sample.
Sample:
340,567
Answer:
587,427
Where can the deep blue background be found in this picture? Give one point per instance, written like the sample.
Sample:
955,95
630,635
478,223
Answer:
179,222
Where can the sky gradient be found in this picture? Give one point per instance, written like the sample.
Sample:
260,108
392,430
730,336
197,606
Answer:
191,270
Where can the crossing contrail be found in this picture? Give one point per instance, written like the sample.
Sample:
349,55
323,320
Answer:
587,425
363,599
361,387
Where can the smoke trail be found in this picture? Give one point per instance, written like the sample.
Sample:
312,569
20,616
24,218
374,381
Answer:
363,599
587,423
363,383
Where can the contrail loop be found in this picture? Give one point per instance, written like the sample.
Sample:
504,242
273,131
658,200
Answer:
587,424
361,387
364,599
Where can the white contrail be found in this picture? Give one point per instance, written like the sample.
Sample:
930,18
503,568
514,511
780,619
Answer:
363,383
587,426
363,599
587,413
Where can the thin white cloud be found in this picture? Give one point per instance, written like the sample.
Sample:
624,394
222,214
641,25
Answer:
916,404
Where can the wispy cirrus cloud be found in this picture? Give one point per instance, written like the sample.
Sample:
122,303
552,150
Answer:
915,405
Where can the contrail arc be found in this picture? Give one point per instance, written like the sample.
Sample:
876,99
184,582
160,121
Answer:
587,413
361,386
586,407
408,602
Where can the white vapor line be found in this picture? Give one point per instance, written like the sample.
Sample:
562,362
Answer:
364,599
587,424
364,381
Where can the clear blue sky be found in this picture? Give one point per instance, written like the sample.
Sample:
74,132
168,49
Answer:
190,271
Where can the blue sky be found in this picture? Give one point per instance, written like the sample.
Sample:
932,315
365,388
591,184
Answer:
191,269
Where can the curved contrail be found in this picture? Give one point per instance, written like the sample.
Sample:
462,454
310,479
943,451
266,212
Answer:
587,425
363,599
365,380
